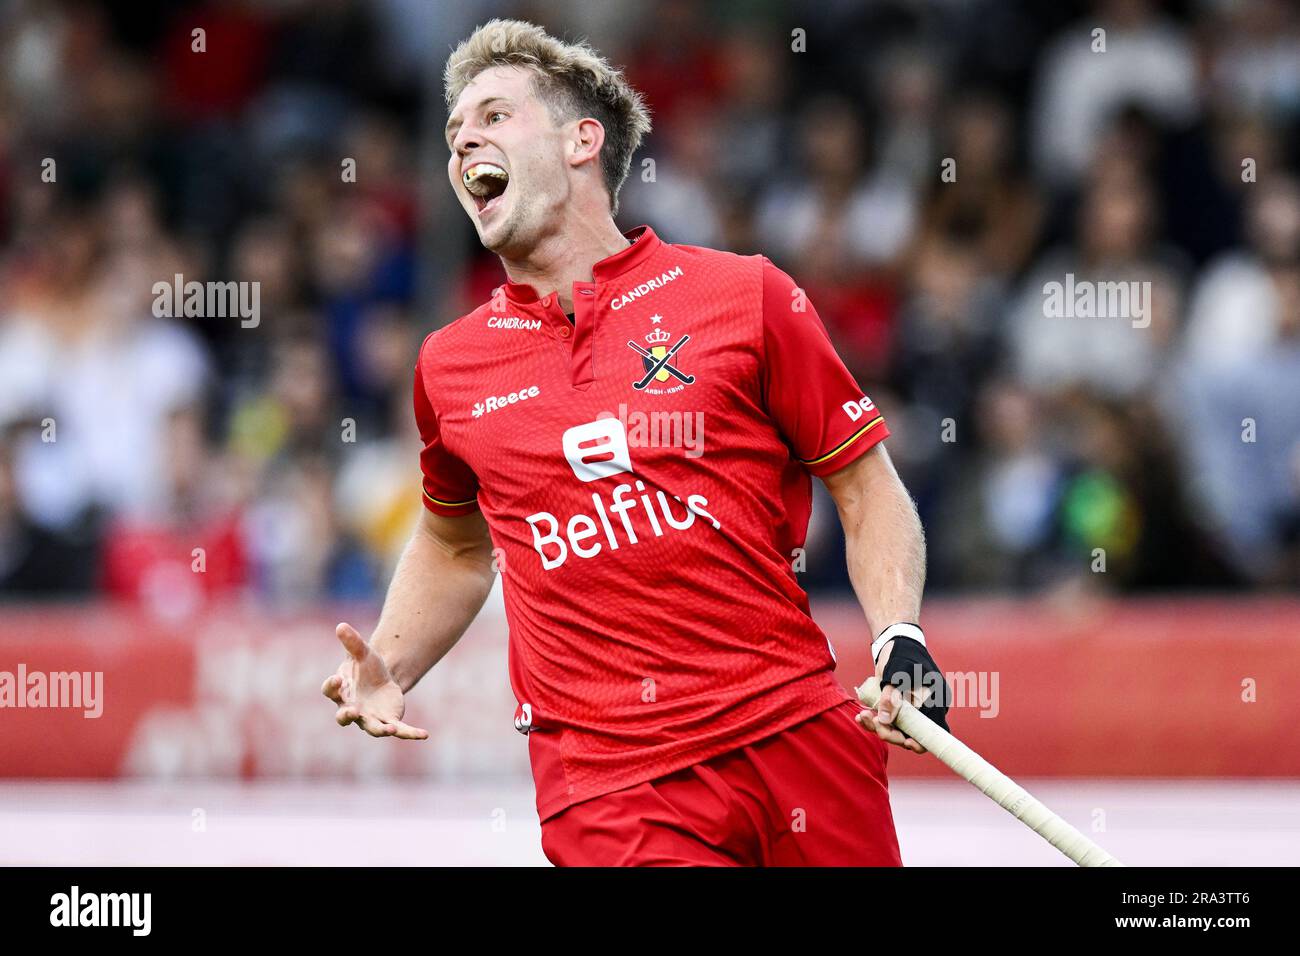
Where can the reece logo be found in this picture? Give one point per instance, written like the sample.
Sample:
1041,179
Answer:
493,402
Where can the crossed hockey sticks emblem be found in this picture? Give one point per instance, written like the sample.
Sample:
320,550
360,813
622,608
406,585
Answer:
661,364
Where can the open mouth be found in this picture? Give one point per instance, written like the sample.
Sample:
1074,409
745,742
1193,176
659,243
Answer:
486,183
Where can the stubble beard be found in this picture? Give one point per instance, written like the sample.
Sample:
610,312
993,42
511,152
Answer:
508,238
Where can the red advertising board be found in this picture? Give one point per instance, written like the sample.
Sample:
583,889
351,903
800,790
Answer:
1200,688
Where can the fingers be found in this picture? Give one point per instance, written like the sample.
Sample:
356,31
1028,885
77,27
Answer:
887,705
376,727
890,735
892,698
352,642
371,725
405,731
886,713
340,687
343,692
333,688
875,722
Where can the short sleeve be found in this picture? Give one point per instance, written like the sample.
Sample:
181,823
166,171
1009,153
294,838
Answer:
814,400
450,487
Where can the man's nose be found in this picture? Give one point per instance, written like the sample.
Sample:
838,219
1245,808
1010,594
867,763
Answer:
466,140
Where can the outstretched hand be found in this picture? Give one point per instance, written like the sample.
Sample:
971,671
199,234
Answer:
365,691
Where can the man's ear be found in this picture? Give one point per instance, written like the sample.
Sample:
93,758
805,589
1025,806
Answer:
588,138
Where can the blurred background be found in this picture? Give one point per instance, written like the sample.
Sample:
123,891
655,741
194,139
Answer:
815,133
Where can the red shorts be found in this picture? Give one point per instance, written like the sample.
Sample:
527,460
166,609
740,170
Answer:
814,794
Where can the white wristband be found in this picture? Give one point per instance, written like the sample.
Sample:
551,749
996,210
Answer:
896,630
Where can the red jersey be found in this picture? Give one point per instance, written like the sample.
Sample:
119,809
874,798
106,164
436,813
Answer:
644,472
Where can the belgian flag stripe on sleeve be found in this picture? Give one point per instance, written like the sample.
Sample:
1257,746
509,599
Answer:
847,442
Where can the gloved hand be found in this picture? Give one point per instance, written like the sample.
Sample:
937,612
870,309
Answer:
909,667
904,667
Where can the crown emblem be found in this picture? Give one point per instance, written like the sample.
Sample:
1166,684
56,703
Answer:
658,337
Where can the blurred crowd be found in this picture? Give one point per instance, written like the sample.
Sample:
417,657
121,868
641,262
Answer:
923,169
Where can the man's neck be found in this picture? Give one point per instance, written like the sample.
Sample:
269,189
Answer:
565,258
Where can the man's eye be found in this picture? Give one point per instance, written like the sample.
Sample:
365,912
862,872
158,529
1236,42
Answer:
491,117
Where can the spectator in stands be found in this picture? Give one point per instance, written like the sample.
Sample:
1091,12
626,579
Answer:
1118,345
1124,52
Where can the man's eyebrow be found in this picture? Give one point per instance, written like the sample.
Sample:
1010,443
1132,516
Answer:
454,123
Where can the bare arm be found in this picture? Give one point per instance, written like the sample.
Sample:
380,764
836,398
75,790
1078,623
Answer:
885,547
885,543
441,582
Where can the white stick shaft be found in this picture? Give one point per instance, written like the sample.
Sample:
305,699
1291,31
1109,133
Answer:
992,782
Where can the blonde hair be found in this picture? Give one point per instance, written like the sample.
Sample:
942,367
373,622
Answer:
573,80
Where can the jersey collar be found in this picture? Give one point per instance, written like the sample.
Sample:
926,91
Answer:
644,245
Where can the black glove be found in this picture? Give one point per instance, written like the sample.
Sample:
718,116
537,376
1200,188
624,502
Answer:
910,666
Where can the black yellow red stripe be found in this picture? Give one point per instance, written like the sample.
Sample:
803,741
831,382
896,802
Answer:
846,443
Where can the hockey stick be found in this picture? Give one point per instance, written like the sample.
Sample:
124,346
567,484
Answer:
992,782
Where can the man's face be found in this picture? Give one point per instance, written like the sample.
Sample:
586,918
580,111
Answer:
503,139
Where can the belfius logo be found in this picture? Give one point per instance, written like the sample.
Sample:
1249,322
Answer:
596,451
